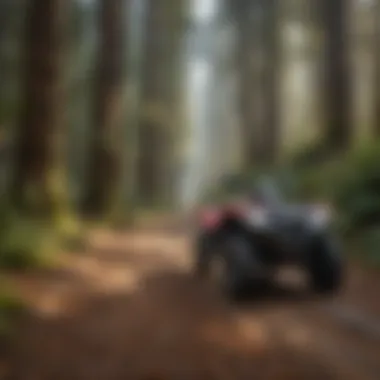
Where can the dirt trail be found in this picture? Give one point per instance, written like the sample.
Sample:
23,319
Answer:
128,309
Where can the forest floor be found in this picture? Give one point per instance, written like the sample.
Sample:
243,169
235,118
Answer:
128,308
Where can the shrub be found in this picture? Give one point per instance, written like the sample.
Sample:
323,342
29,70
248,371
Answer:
368,243
357,188
24,242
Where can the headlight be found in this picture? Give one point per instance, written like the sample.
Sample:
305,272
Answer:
259,217
320,216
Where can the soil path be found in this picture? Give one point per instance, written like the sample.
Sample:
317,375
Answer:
129,309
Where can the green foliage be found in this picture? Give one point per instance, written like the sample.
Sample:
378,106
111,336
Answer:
357,192
310,155
24,242
350,182
368,243
229,186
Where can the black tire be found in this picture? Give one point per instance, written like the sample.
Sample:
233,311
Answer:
241,268
326,265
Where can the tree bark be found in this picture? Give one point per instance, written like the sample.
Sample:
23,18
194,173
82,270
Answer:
337,87
39,145
257,64
160,98
270,135
376,53
104,172
245,47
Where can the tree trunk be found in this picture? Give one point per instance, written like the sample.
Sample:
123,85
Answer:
337,86
160,97
257,64
245,48
39,147
376,53
269,142
105,148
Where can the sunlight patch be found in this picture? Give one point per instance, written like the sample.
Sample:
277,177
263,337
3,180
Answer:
252,330
243,334
51,305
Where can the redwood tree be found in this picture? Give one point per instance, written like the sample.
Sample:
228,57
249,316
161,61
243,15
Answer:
39,144
257,63
245,46
337,87
377,72
105,150
270,134
160,98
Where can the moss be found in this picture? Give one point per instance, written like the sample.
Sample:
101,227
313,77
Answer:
32,239
26,243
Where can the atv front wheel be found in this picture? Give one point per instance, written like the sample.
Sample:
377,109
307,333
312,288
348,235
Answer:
232,266
325,265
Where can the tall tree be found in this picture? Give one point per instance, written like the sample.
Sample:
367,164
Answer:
270,134
4,9
39,144
242,11
337,86
377,71
105,150
257,65
160,97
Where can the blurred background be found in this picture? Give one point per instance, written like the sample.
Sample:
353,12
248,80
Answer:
115,109
149,103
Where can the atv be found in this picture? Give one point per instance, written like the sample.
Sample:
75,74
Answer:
240,244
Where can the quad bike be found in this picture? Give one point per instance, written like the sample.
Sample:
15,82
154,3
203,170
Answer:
239,244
